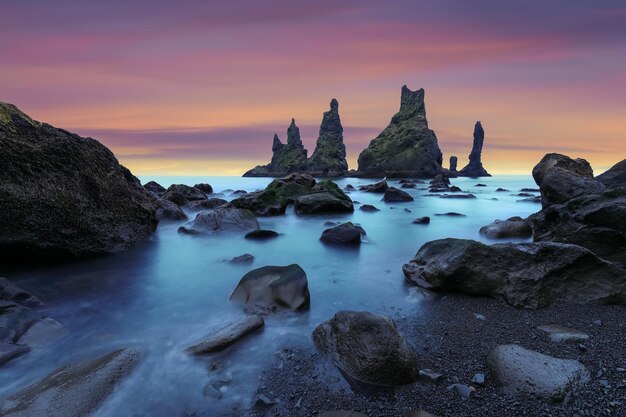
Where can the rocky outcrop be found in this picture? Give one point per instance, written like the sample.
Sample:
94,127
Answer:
228,336
615,176
166,210
523,371
62,195
561,178
286,158
504,229
221,220
329,157
346,234
367,348
270,286
181,194
73,390
453,163
407,147
524,274
475,166
326,198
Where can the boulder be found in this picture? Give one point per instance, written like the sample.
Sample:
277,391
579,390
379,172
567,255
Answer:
345,234
367,348
511,227
228,336
377,187
615,176
285,286
561,178
64,196
407,147
167,210
524,274
329,157
221,220
74,390
326,197
558,333
395,195
204,187
523,371
475,166
368,208
174,197
244,259
10,351
155,188
261,234
175,191
11,292
207,204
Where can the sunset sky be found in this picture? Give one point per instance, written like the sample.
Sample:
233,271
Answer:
199,87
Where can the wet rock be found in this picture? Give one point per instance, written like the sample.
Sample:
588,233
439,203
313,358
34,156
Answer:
430,376
174,192
422,220
475,166
326,198
244,259
155,188
558,333
524,195
64,196
285,286
522,371
460,196
228,336
349,187
479,379
409,185
329,157
512,227
75,390
501,190
11,292
367,348
530,190
536,199
261,234
221,220
561,179
462,391
394,195
451,214
207,204
378,187
10,351
439,183
15,320
345,234
615,176
407,147
368,208
167,210
523,274
205,188
480,185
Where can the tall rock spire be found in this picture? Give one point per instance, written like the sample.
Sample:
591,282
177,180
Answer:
329,157
293,134
475,166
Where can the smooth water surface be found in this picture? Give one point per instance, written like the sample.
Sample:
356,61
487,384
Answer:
173,290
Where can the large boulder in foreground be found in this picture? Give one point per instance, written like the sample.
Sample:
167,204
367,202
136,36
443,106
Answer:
74,390
407,147
596,222
561,178
62,195
511,227
367,348
523,274
522,371
269,286
615,176
221,220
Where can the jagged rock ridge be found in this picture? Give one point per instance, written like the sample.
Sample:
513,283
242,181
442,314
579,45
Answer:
329,157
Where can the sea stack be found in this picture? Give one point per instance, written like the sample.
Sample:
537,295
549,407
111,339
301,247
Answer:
453,162
475,166
286,158
329,157
407,147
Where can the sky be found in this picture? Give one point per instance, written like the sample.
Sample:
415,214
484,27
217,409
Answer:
199,87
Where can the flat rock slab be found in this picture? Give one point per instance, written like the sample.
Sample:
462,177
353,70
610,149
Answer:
10,351
73,390
522,371
228,336
558,333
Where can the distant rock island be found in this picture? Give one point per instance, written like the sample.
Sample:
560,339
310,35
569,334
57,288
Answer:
405,148
328,159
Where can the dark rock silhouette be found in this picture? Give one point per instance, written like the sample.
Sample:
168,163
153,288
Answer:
377,187
62,195
407,147
475,166
615,176
286,158
453,162
394,195
326,197
346,234
329,157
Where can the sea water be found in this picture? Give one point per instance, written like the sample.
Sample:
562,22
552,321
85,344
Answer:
174,289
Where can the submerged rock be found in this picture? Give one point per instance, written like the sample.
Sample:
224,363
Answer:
523,274
511,227
561,178
285,286
367,348
475,166
368,208
228,336
394,195
522,371
615,176
345,234
422,220
221,220
261,234
63,196
329,157
244,259
377,187
74,390
11,292
407,147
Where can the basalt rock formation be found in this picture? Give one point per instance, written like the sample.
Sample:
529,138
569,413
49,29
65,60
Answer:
62,195
407,147
614,177
329,157
286,158
475,166
453,162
